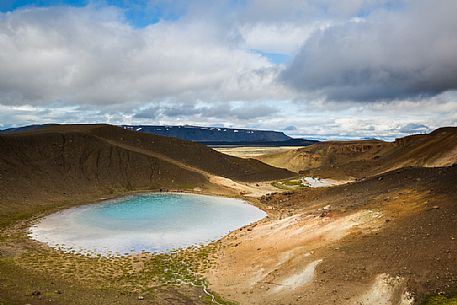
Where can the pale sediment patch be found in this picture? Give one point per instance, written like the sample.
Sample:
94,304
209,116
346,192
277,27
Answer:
278,256
254,152
298,279
260,274
320,182
255,190
309,227
385,290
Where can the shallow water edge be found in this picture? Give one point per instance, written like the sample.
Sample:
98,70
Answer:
144,222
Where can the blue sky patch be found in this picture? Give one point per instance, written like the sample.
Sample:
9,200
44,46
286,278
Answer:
10,5
139,13
275,58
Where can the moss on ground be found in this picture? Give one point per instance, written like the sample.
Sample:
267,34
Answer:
289,184
143,274
136,273
440,300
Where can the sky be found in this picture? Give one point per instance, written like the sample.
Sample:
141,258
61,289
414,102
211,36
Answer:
320,69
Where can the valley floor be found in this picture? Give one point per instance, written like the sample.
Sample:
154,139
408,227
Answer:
253,152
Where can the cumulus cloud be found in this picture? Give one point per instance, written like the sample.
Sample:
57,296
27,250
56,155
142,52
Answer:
92,56
147,113
414,128
225,111
305,10
391,54
283,38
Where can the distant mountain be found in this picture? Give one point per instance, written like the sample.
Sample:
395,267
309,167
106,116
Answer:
211,134
191,133
26,128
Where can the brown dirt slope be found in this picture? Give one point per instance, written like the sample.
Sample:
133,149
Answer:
342,159
401,223
194,154
78,162
417,241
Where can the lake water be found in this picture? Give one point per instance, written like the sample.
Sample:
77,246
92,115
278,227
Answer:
156,222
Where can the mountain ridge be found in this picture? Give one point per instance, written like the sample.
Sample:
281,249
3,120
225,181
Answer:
189,132
211,134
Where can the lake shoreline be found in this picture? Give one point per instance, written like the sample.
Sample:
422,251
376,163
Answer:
214,217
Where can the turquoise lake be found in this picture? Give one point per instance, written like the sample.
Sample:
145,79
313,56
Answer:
156,222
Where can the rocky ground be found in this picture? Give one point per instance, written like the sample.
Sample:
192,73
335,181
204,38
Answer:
389,239
365,158
386,239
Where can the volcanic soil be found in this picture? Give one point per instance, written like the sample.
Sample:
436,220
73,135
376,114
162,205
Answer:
388,237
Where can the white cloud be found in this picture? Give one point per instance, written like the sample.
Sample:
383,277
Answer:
278,37
92,56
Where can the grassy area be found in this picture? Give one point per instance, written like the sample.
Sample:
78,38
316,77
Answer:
30,272
440,300
290,184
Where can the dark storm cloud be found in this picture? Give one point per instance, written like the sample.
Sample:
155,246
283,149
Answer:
410,52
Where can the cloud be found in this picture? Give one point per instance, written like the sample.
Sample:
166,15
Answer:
244,112
285,38
92,56
305,10
390,54
414,128
225,111
208,62
148,113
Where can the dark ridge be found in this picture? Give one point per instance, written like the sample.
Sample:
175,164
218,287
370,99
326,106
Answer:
211,134
26,128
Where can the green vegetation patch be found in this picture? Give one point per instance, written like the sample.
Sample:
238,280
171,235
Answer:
55,275
440,300
136,273
289,184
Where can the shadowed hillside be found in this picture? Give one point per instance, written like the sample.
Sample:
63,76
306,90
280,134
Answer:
342,159
69,163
